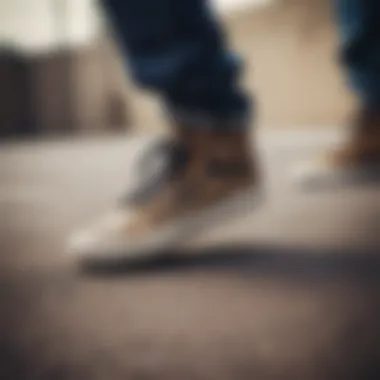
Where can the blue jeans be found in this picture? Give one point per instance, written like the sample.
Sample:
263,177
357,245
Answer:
177,48
359,24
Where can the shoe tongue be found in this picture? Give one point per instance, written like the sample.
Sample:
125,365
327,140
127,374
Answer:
157,167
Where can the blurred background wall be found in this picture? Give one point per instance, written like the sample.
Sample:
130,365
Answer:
61,72
55,71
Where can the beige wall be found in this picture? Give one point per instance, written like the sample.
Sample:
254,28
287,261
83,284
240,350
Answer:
292,63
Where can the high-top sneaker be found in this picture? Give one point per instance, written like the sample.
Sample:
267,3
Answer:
198,179
356,162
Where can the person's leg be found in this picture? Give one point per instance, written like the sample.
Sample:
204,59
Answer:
359,159
177,49
359,27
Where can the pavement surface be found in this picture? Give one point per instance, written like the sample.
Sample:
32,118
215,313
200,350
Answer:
287,292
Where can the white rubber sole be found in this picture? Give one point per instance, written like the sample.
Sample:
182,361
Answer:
89,251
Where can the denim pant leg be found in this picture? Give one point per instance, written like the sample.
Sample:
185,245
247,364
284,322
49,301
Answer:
359,22
177,49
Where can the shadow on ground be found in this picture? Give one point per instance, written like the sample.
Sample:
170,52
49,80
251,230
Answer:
250,260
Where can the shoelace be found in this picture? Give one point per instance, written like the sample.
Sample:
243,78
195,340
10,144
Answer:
157,167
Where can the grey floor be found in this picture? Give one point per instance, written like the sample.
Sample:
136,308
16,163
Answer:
287,292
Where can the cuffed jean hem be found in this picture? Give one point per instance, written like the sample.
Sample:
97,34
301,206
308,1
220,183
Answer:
191,119
229,109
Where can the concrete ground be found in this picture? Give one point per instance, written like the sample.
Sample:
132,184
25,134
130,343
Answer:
288,292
